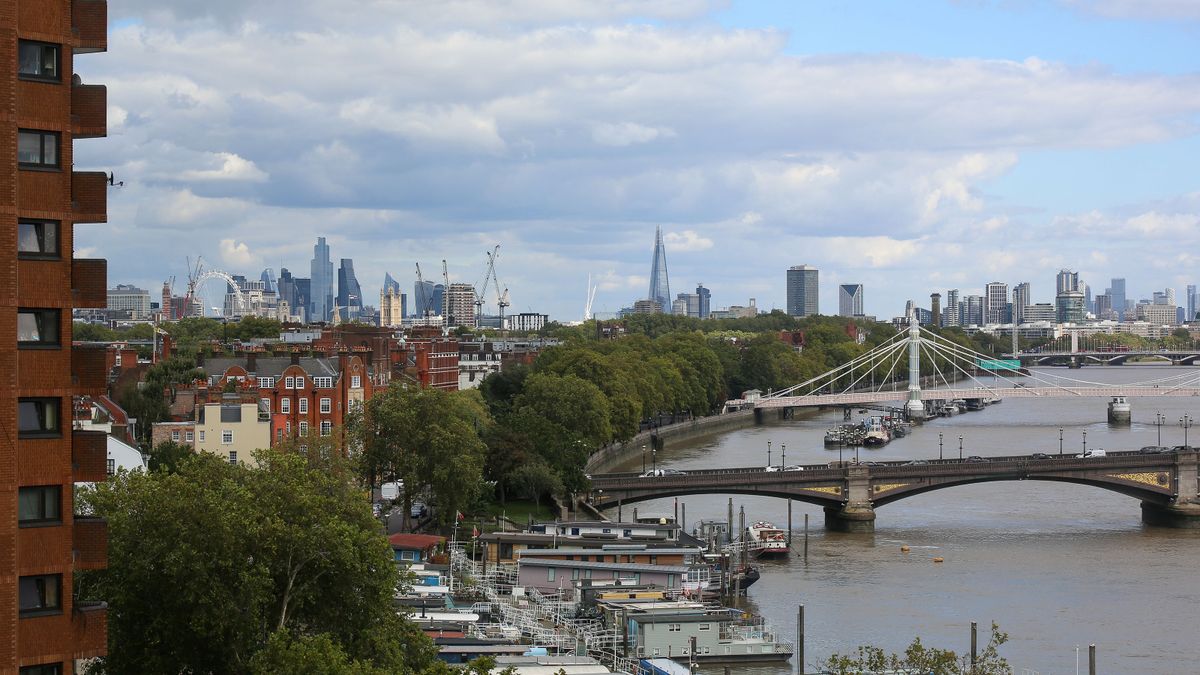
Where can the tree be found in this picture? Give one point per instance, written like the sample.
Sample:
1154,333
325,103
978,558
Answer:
168,455
534,480
207,562
918,659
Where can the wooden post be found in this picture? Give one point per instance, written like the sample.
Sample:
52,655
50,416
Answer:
800,640
974,649
1091,659
789,530
806,537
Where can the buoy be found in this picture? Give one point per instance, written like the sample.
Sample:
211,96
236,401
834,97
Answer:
939,559
904,548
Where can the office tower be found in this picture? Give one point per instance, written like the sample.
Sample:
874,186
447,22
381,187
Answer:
1103,309
458,305
1190,300
1171,297
1020,300
321,308
349,294
802,290
1160,298
1066,281
1087,296
705,300
660,286
1119,302
427,299
270,283
935,309
1068,307
952,315
995,298
972,310
850,300
46,619
686,304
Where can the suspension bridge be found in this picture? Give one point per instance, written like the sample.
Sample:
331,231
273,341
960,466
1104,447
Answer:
956,372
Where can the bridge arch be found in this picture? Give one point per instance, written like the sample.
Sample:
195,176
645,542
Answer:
1161,495
608,501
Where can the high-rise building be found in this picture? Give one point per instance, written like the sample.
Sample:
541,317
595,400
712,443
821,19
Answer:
349,295
686,304
1190,315
1021,298
802,295
130,298
321,302
850,300
1103,308
660,286
995,298
1068,307
972,310
952,315
46,619
935,309
458,305
427,299
1117,292
270,283
705,298
1066,280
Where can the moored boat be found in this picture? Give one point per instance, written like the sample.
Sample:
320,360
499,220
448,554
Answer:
763,539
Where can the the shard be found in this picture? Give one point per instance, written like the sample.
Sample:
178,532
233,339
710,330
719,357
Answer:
660,287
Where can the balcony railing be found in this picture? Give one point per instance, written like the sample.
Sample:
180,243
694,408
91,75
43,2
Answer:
90,543
89,282
89,456
89,374
89,110
89,624
89,24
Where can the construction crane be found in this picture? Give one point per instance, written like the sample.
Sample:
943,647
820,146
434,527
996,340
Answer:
501,296
422,294
591,297
193,279
488,273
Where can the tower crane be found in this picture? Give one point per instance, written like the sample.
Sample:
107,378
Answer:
446,294
488,273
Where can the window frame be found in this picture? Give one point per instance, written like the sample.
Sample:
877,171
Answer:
54,254
356,381
302,429
299,382
44,431
233,457
42,165
43,609
326,428
227,434
189,436
30,77
43,520
42,669
39,312
302,405
289,383
326,405
285,405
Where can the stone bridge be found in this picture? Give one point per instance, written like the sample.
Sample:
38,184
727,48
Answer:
1165,483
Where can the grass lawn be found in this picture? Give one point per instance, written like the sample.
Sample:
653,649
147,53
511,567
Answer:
519,511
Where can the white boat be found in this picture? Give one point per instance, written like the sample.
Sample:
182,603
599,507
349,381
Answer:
877,432
763,539
1119,410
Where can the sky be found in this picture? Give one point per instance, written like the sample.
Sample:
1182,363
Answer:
909,145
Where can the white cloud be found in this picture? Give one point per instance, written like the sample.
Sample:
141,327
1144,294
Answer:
687,240
231,168
237,254
628,133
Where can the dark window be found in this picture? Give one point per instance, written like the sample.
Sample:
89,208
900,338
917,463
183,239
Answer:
43,669
37,149
38,60
41,594
38,417
37,239
37,327
39,505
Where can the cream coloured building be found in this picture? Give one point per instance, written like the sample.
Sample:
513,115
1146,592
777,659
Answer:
233,431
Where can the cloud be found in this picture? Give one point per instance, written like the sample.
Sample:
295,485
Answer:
232,168
1187,10
628,133
687,240
237,254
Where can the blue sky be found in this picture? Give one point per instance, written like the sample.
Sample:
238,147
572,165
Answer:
909,146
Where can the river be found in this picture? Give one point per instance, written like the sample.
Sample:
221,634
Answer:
1057,566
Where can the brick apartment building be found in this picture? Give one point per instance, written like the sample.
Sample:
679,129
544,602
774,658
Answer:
44,628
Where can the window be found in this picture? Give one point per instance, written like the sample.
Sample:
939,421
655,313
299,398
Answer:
549,574
201,436
355,381
37,327
37,61
38,417
189,436
299,381
41,594
42,669
289,383
326,427
705,626
326,406
302,405
40,505
673,628
37,149
226,436
288,427
37,239
323,382
304,428
264,405
266,383
285,405
279,434
233,456
175,436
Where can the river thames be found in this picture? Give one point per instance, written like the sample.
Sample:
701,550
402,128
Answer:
1057,566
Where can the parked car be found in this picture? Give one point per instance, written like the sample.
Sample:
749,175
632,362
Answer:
652,473
1154,449
418,510
1039,455
1094,452
391,491
916,462
976,458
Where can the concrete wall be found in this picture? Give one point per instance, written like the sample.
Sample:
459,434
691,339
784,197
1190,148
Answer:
610,455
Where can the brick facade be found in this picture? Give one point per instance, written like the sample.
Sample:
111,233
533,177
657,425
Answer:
45,278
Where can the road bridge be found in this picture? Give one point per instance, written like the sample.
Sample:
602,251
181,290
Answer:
1165,483
1108,357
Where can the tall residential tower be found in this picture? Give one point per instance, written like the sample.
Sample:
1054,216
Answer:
802,290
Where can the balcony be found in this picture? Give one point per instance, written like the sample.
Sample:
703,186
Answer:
89,25
89,626
89,196
89,282
89,456
89,111
89,370
90,543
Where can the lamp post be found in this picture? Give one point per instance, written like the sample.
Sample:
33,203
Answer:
1186,423
783,454
654,459
1060,432
1085,443
960,448
939,445
768,452
1159,419
643,458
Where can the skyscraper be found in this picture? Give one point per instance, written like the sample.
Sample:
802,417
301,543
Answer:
995,302
458,305
972,310
1020,300
349,296
47,619
321,302
850,300
1066,281
660,286
1191,303
270,284
427,298
802,290
952,315
1117,292
935,309
705,298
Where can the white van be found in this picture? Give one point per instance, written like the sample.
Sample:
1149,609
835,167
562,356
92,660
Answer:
1097,452
390,491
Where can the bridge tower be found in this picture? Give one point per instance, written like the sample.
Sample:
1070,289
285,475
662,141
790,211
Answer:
914,408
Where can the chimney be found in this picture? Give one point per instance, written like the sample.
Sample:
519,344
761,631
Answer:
251,362
295,357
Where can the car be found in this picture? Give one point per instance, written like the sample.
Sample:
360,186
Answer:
1183,448
916,462
654,473
1154,449
1039,455
1091,454
377,509
976,458
873,464
794,467
418,510
771,469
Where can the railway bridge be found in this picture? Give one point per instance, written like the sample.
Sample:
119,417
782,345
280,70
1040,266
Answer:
1165,483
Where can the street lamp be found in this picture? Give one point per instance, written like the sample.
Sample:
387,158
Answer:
654,458
960,448
783,454
1085,443
643,458
768,452
1186,423
1060,430
1159,420
939,445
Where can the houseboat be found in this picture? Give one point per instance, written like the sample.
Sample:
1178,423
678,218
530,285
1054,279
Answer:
666,629
764,540
877,433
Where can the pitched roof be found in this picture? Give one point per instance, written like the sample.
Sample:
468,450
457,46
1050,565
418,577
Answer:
418,542
268,366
